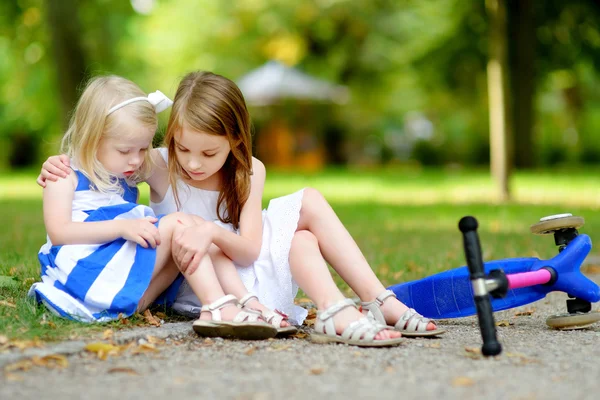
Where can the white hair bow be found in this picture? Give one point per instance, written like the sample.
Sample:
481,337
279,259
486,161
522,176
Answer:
159,101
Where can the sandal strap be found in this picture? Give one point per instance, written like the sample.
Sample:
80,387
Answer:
374,307
215,307
246,298
412,321
335,308
274,317
365,329
248,315
324,322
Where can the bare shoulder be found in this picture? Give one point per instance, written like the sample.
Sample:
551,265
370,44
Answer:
69,182
258,168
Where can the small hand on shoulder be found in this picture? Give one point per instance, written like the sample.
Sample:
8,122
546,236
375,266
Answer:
53,168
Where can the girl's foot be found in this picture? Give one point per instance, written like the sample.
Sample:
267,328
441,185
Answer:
256,305
224,318
350,314
228,313
341,322
393,309
388,310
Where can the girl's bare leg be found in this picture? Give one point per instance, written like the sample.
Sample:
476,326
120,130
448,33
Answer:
203,281
342,252
165,270
310,272
230,279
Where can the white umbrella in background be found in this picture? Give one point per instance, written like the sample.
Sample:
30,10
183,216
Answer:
274,81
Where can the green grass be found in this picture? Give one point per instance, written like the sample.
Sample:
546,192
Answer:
405,221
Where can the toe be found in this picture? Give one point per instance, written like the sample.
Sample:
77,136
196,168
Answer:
431,326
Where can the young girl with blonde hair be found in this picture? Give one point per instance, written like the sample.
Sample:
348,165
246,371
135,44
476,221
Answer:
212,174
105,257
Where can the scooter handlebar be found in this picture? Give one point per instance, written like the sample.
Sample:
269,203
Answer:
468,226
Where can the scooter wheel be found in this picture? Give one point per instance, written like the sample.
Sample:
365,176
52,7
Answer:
553,223
573,321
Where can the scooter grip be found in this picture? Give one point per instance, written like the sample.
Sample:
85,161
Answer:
468,226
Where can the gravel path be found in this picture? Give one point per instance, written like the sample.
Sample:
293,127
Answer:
536,363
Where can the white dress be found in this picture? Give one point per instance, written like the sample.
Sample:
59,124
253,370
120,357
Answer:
269,277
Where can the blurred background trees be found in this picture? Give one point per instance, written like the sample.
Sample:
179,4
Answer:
415,71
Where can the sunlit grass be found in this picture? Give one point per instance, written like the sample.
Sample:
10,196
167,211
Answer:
404,220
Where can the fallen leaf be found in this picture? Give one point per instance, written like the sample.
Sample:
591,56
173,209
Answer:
435,345
475,350
303,300
155,340
23,365
150,318
299,335
7,304
51,361
123,370
3,339
522,358
13,377
208,341
462,381
108,334
161,315
504,322
250,351
279,347
316,371
525,312
26,344
103,350
145,348
357,354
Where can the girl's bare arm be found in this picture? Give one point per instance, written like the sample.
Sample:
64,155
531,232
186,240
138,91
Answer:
244,248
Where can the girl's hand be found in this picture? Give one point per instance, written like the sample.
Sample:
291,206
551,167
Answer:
190,245
142,231
53,168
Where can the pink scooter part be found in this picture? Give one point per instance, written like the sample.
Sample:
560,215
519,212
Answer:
526,279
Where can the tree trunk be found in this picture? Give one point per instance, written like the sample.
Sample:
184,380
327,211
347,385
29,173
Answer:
522,78
63,22
500,144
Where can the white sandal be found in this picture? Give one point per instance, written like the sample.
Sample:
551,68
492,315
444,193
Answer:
410,324
358,333
273,317
246,325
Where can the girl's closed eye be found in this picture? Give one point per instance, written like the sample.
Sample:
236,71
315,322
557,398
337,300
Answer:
209,155
182,149
124,151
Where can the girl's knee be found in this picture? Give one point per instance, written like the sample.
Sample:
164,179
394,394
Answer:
215,252
312,199
304,237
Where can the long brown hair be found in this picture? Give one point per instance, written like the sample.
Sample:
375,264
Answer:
213,104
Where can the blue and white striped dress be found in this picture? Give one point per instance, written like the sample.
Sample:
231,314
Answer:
96,283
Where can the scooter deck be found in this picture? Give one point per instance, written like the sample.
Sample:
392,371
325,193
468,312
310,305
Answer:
449,294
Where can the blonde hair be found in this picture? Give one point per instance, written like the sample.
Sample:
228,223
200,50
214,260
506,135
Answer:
213,104
90,123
